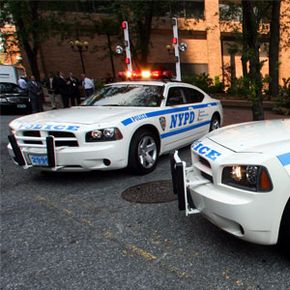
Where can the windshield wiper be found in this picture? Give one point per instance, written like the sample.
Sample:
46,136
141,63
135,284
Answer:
112,105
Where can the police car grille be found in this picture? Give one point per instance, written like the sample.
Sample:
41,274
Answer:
58,134
205,169
204,162
31,134
207,176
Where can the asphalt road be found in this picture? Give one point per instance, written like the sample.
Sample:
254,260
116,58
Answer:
75,231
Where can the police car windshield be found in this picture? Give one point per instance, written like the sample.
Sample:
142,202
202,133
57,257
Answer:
129,95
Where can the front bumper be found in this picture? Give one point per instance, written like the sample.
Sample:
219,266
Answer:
99,156
242,215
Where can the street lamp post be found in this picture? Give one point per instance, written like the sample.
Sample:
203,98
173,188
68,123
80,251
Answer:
80,47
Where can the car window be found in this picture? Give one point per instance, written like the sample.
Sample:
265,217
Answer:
175,97
9,88
192,95
134,95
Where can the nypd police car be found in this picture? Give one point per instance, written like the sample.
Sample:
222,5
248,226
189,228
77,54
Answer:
239,179
125,124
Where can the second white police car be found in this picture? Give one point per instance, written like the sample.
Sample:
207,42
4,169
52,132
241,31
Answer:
239,179
125,124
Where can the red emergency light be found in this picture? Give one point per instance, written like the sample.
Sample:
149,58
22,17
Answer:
174,40
146,74
156,74
124,25
127,60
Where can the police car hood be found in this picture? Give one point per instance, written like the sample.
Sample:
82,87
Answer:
253,136
83,115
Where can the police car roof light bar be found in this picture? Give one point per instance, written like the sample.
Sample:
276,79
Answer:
146,75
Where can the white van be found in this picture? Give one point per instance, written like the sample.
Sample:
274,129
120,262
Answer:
10,74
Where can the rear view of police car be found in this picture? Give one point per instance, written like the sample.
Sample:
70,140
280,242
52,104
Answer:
125,124
240,180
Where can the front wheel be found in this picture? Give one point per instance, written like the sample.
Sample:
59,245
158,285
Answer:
143,153
214,123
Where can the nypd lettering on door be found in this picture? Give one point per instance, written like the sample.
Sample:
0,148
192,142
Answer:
181,119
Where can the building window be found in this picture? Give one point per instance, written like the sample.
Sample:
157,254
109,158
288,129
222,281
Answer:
230,11
187,9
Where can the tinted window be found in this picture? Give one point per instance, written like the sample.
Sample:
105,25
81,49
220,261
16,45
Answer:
131,95
192,95
175,97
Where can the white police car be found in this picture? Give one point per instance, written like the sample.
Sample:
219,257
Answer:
240,180
124,124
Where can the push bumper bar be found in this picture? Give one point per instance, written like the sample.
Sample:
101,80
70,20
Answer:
20,158
181,185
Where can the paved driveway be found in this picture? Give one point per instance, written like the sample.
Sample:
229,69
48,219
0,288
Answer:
74,231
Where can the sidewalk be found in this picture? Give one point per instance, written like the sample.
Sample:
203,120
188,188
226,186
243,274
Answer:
239,115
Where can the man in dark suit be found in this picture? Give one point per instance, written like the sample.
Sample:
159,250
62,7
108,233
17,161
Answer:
62,86
73,90
35,94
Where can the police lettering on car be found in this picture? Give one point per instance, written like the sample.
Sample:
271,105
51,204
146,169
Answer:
206,151
46,127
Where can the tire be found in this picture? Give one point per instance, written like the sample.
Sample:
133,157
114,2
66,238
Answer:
143,154
284,233
214,123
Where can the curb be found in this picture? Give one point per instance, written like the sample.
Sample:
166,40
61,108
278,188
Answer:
267,105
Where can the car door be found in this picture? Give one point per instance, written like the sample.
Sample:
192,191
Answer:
199,124
183,106
176,119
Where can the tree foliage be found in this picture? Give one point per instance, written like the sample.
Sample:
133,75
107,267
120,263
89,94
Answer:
274,48
32,27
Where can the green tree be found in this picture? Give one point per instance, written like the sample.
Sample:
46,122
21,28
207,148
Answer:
108,26
139,15
274,48
30,28
251,22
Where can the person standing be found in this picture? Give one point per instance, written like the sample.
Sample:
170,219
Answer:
88,85
35,94
50,85
22,83
73,90
62,85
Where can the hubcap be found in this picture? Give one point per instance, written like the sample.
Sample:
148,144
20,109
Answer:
215,124
147,151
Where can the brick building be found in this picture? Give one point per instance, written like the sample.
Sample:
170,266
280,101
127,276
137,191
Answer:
9,49
213,45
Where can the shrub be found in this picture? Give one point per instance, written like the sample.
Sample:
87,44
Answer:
217,87
283,99
239,88
205,83
98,84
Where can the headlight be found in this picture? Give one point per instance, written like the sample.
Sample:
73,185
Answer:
247,177
102,135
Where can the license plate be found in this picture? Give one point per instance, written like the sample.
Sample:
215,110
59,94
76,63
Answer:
39,160
21,106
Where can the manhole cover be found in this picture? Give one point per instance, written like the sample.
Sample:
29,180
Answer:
150,192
